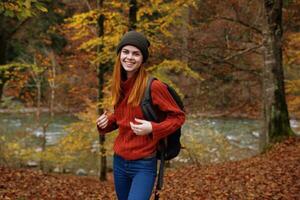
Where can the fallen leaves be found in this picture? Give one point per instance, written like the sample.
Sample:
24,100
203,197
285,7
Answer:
31,184
273,175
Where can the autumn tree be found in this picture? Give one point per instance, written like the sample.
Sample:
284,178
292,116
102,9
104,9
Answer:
223,41
97,29
276,117
133,8
13,16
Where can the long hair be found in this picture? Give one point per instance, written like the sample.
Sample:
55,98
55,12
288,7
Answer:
138,89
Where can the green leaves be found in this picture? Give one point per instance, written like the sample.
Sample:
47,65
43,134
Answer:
20,66
176,66
41,7
22,9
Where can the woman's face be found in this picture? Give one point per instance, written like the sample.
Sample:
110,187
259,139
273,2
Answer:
131,59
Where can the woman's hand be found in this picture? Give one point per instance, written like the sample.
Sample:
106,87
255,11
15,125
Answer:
102,121
142,128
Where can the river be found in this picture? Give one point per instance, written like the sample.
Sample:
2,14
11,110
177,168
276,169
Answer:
205,140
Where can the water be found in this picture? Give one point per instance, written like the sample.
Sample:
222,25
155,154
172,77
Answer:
206,140
13,123
219,140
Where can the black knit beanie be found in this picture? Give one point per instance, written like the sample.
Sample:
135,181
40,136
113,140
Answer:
135,39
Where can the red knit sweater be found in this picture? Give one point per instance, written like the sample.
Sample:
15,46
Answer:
131,146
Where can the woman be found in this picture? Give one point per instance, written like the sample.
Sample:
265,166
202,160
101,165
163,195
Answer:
134,162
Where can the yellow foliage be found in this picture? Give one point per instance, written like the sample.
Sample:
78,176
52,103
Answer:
14,65
293,102
156,27
161,70
293,86
292,55
81,140
175,65
89,45
15,150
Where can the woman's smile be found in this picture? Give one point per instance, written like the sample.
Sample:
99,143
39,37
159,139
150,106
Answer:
131,59
129,63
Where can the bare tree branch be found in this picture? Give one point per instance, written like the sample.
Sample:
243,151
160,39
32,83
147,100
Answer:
242,23
242,52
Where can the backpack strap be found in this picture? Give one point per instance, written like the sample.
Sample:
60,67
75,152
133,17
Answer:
149,114
147,106
160,178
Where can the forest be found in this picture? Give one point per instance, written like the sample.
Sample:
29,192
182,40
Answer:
234,63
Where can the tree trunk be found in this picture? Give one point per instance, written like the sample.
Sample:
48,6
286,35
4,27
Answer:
42,158
276,118
2,83
38,110
132,14
52,82
101,71
3,47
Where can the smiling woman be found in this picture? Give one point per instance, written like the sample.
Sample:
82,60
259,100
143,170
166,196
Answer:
135,162
131,59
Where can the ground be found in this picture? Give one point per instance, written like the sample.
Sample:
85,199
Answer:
272,175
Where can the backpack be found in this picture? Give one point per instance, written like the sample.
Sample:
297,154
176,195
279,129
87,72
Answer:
170,146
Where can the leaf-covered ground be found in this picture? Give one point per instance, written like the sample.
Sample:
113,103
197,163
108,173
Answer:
273,175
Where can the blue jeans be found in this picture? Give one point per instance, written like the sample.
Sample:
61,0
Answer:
134,179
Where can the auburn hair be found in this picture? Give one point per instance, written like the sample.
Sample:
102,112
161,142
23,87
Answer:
138,89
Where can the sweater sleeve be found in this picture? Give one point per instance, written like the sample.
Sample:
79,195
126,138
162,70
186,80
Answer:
175,117
112,125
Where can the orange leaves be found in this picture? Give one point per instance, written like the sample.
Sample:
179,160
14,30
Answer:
274,175
28,184
292,53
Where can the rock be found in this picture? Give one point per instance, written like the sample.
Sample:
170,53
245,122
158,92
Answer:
81,172
31,164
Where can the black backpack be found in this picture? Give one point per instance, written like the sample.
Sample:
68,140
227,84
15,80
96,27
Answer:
169,147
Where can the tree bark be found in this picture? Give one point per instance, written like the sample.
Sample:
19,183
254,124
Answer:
52,81
276,117
2,83
101,71
133,8
3,48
